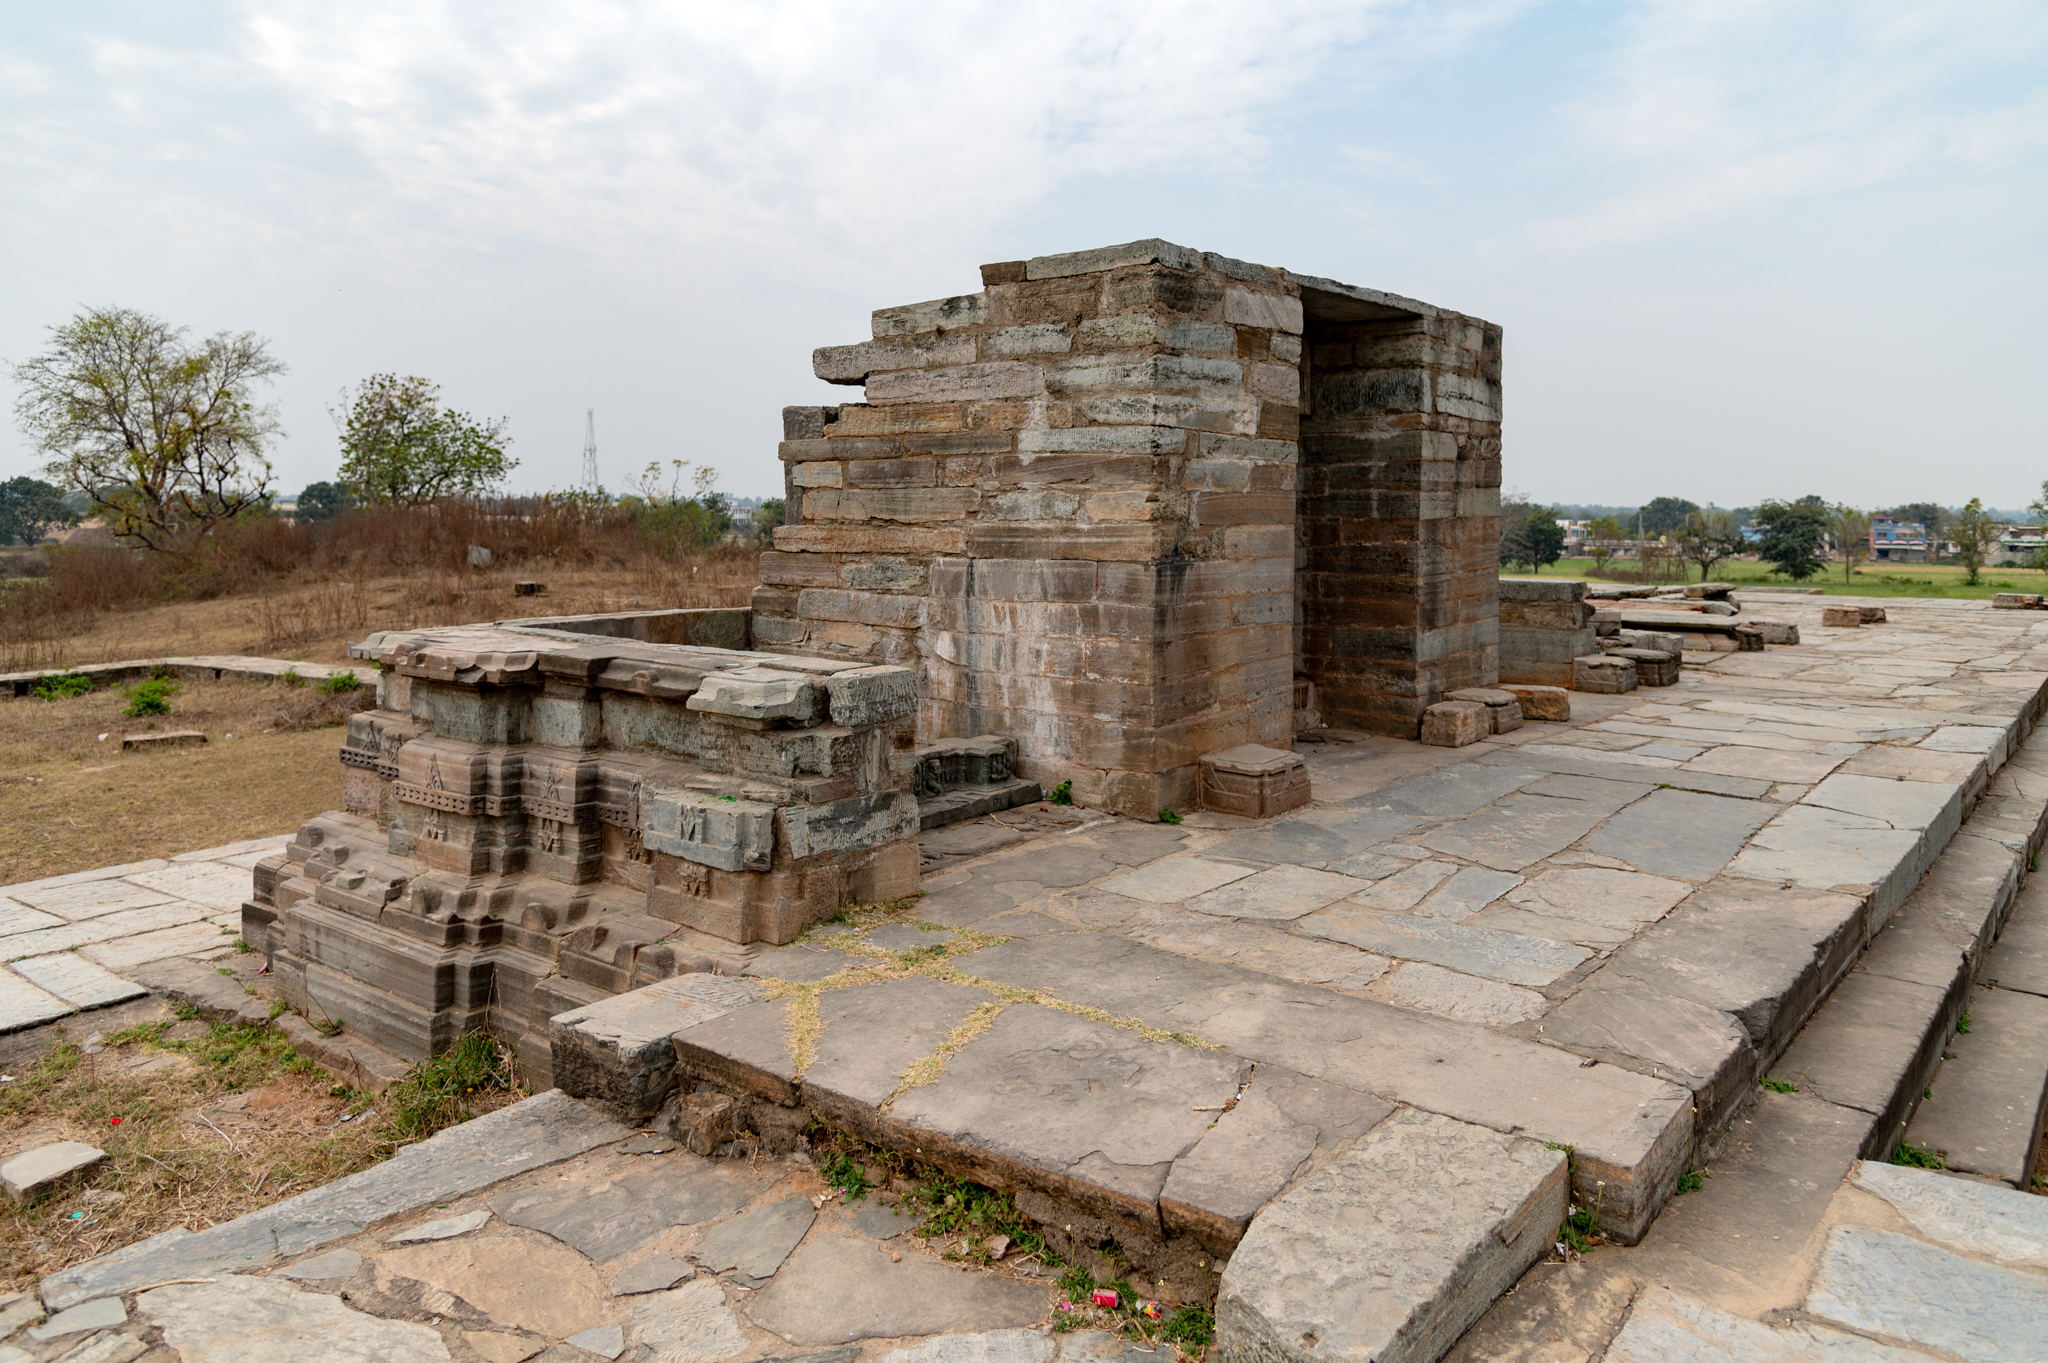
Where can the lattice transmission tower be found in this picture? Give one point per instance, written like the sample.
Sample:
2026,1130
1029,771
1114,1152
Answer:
590,482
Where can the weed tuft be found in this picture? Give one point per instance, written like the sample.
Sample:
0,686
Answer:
1168,816
62,686
1922,1158
1062,794
1778,1085
441,1092
152,697
339,684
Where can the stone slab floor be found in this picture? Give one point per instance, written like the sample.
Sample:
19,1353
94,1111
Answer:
73,942
1402,965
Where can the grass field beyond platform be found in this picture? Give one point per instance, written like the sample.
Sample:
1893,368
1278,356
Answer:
1871,579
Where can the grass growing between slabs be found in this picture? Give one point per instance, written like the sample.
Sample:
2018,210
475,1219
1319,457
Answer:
204,1128
973,1224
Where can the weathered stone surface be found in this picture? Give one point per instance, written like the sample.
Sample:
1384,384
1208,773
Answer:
872,695
1990,1099
612,1220
853,824
908,937
517,1279
1309,960
1279,894
747,1051
1404,889
1594,894
1891,1285
1505,956
1873,1048
1966,1215
336,1263
447,1228
2020,960
253,1320
77,981
1455,723
988,1346
691,1324
655,1273
866,1216
618,1051
873,1033
730,835
1603,673
835,1289
1664,1326
92,1315
111,1348
1517,832
1284,1123
32,1173
1305,844
1552,704
1467,998
1605,794
1073,1106
753,1246
1680,833
1454,790
1825,848
605,1341
800,964
92,899
1629,1131
1652,1032
1176,879
1394,1248
1254,781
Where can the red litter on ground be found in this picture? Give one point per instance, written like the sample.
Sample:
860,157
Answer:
113,1121
1104,1296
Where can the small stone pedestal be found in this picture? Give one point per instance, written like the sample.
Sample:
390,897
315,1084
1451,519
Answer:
1254,781
1503,710
1548,703
1841,617
1654,666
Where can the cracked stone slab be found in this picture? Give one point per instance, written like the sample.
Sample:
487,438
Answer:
1505,956
24,1005
93,1315
987,1346
611,1220
1454,790
753,1246
620,1050
336,1263
1433,989
1601,793
691,1324
1680,833
1630,1131
193,939
835,1289
655,1273
801,965
1404,889
1663,1325
865,1216
1466,893
872,1033
1276,895
91,900
255,1320
1519,831
447,1228
1825,848
1176,879
518,1279
16,918
1617,899
1394,1248
542,1130
1091,1112
209,883
1892,1285
1964,1214
1284,1123
1292,841
1309,960
908,937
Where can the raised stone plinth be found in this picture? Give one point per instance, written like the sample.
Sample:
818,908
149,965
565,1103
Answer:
538,818
1254,781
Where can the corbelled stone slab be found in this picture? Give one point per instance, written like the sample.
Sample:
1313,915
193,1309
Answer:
1394,1248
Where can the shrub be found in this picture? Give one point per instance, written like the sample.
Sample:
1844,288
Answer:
63,686
339,684
152,697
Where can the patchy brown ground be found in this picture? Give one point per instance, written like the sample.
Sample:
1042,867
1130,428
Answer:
314,622
71,801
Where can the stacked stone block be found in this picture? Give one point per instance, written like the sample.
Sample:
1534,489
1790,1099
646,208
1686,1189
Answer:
537,818
1071,502
1543,627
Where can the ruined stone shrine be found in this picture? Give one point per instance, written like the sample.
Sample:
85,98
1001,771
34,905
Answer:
1115,512
1144,503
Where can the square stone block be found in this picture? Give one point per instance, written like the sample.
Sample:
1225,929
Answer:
1604,673
1503,708
1254,781
1455,723
1552,704
1841,617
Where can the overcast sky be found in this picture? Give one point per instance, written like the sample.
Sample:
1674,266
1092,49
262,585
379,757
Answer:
1740,250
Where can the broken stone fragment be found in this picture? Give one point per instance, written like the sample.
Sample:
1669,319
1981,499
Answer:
1503,709
1552,704
760,694
1840,617
1455,723
1603,673
28,1176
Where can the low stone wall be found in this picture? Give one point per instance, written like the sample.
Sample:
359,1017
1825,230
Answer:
702,628
1543,626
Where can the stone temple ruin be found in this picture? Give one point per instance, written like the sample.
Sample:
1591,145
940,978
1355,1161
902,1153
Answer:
1115,512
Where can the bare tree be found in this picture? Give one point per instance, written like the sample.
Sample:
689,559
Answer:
1976,533
1850,530
164,438
1708,538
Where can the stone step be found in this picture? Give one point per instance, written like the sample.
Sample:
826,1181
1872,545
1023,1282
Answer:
1389,1252
356,1062
1984,1112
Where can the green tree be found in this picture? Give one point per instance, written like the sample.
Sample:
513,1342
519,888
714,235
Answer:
1708,538
1601,535
1665,515
1929,514
324,501
399,445
1793,533
1533,537
767,517
1849,530
165,438
1975,532
30,509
